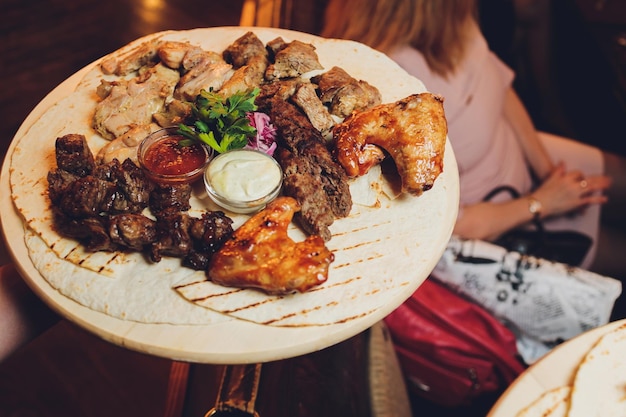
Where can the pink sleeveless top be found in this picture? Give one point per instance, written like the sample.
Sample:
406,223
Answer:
486,150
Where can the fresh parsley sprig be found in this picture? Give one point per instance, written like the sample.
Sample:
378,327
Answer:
222,123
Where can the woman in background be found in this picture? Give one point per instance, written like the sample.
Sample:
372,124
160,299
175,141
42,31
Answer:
494,140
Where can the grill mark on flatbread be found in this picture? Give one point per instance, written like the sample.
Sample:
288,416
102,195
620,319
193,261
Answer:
362,228
361,244
295,314
339,284
219,301
552,403
250,306
343,320
371,257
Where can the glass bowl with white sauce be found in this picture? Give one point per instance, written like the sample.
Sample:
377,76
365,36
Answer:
243,180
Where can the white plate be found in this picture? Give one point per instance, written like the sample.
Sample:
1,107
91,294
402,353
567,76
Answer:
556,369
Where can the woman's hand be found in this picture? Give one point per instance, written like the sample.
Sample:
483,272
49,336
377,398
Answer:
564,192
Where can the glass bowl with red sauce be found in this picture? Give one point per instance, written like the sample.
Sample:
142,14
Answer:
166,161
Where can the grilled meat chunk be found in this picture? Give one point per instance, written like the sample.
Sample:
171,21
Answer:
91,232
86,197
142,55
132,187
125,146
175,113
132,231
172,53
73,155
246,48
344,94
293,60
310,173
208,71
306,98
167,196
245,78
173,238
58,181
133,102
209,234
412,130
261,255
112,188
249,57
302,182
276,90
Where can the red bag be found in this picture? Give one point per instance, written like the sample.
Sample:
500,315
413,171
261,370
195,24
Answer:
451,350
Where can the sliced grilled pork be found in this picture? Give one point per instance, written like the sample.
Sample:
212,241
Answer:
344,94
246,48
293,60
209,72
306,98
133,102
136,58
125,146
311,175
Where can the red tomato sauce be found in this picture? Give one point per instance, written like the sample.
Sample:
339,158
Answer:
166,157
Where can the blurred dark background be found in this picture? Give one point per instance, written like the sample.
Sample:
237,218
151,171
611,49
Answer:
570,60
44,42
570,55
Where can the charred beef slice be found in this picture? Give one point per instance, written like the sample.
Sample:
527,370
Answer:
73,155
311,175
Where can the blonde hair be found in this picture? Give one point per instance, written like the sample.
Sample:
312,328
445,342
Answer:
437,28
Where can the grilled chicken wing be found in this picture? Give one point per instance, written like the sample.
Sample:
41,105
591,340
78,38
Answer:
261,255
412,130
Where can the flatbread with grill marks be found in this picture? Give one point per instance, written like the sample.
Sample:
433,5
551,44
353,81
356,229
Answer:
385,246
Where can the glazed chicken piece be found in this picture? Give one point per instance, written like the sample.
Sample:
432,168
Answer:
412,130
261,255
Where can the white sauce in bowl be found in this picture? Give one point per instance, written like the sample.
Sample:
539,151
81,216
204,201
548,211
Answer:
243,179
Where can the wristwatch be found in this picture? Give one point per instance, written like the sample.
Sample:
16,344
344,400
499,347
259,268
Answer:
535,207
